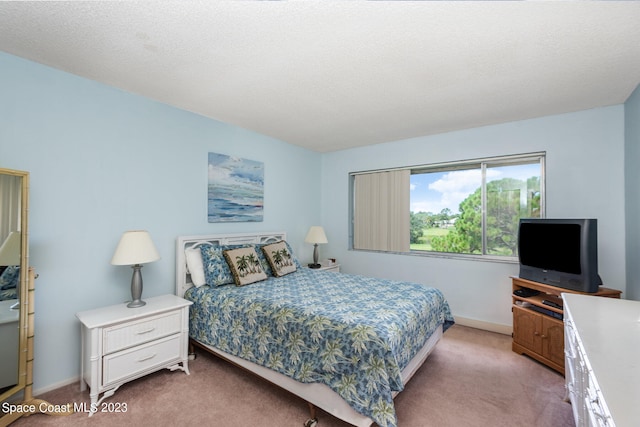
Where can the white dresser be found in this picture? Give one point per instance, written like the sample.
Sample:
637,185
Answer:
120,344
602,360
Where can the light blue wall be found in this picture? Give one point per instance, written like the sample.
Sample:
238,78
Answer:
632,186
103,161
585,178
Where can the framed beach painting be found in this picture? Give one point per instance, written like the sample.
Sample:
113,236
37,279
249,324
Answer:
235,190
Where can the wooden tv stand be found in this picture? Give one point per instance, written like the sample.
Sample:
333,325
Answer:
538,329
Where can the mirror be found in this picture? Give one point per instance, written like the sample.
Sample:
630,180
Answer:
14,267
17,309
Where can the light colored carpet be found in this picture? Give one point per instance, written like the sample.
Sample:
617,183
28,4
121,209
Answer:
471,379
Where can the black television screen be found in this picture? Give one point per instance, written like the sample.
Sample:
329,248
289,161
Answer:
560,252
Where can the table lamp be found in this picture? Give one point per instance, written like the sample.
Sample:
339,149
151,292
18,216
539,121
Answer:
316,236
10,249
135,248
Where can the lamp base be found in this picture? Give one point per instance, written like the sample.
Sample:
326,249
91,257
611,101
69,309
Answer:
315,263
138,303
136,288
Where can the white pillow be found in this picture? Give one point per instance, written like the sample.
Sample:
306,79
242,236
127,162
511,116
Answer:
194,264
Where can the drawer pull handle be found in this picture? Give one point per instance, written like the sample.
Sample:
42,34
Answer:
146,331
151,356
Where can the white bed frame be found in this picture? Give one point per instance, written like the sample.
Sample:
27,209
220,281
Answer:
315,394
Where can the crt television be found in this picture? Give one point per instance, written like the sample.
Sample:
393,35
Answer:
560,252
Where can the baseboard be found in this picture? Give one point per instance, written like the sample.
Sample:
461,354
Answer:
486,326
51,387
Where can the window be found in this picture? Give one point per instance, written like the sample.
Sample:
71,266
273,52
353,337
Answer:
466,208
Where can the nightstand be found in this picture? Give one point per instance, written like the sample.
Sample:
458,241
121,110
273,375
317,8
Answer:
120,344
328,266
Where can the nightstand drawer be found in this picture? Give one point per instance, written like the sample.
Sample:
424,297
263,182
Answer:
133,333
119,366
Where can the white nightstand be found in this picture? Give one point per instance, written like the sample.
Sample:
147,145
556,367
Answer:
328,266
120,344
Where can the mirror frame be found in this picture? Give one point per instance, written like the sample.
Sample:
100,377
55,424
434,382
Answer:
25,295
26,321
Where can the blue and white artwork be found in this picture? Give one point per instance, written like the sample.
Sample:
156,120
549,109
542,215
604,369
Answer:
236,189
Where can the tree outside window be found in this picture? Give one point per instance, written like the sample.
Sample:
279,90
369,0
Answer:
474,208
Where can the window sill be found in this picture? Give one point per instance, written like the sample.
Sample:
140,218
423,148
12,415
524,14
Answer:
446,255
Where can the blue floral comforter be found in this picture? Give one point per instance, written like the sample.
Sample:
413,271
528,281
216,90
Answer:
353,333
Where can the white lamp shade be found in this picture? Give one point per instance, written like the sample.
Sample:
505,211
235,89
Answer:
10,249
316,235
135,247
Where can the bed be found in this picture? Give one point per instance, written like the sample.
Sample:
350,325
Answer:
344,343
9,281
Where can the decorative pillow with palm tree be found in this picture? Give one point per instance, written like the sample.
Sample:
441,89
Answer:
245,265
280,258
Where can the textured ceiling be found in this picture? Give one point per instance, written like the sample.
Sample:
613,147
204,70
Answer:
333,75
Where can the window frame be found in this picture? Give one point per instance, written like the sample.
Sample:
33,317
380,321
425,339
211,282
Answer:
480,163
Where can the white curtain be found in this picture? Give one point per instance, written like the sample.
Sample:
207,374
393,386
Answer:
9,205
381,211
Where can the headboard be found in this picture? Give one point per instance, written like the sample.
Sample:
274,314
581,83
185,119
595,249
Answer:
183,278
